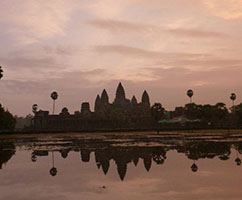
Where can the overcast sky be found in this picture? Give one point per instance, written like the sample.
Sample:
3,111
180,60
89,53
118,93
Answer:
77,48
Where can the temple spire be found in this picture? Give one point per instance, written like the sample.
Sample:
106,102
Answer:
134,100
145,99
97,103
120,94
104,97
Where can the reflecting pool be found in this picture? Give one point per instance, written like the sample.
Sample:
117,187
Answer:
170,166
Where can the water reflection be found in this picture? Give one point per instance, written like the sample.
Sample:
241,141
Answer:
7,150
125,149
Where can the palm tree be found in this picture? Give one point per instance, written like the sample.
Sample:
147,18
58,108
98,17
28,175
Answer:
1,72
54,96
233,97
34,108
190,94
53,170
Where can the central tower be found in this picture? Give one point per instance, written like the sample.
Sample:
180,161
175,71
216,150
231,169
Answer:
120,94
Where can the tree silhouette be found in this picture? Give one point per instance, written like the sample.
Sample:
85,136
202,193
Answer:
238,114
53,170
7,121
233,97
157,111
192,111
33,157
1,72
190,94
7,150
194,167
34,108
54,96
237,160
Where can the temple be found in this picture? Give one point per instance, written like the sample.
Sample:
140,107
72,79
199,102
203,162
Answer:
122,113
121,105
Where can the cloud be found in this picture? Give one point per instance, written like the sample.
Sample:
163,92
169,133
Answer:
116,26
139,52
182,77
205,63
30,21
66,81
28,62
109,8
63,50
149,58
41,61
31,65
226,9
24,87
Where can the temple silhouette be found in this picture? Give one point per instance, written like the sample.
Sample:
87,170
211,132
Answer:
122,113
121,104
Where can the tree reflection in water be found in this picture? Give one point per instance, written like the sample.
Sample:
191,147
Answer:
194,167
7,150
128,149
237,149
53,170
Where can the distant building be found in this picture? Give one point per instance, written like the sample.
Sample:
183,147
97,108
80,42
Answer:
122,113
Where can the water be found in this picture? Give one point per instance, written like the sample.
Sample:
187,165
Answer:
121,166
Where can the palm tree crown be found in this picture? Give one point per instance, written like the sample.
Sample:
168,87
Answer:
54,95
34,108
233,96
1,72
189,93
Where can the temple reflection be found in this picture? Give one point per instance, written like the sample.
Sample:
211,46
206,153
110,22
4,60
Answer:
125,151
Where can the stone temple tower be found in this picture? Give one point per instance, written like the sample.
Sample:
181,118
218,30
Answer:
98,104
145,100
120,95
134,101
104,97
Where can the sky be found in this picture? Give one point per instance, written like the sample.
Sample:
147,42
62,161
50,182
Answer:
78,48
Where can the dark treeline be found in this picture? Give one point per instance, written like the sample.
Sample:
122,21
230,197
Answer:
214,116
23,122
7,121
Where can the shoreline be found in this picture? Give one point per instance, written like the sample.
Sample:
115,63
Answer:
121,131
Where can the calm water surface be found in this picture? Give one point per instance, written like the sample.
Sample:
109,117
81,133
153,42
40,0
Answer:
121,166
